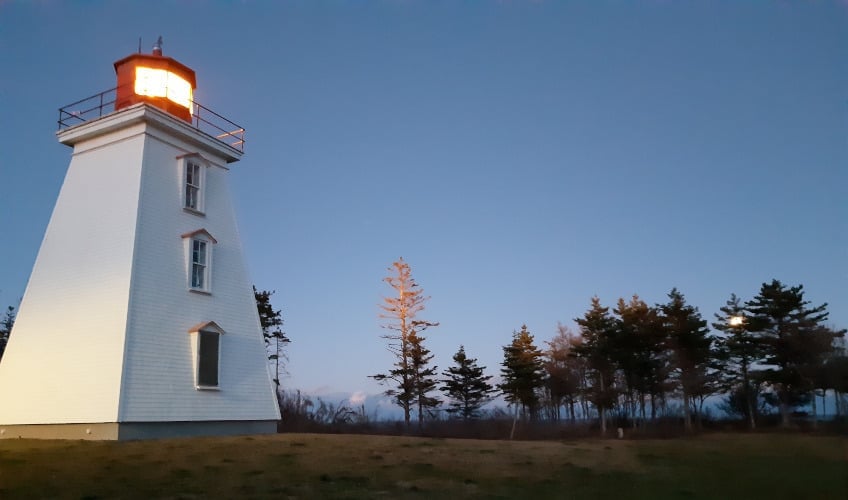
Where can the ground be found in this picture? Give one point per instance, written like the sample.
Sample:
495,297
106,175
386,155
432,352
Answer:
360,466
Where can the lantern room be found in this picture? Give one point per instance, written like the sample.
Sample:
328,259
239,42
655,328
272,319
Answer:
158,80
162,83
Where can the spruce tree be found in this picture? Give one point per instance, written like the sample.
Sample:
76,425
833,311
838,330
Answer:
466,386
740,353
835,375
411,374
640,353
690,345
793,337
423,375
598,330
563,372
523,372
271,321
6,325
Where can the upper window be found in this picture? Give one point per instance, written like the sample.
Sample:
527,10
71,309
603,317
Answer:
193,185
194,182
199,260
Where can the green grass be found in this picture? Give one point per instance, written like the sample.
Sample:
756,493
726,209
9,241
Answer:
769,466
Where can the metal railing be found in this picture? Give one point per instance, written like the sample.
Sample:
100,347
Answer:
217,126
87,109
202,118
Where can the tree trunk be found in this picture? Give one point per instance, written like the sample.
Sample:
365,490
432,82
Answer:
687,412
277,361
653,407
633,406
752,417
514,420
784,412
748,397
601,412
602,415
813,407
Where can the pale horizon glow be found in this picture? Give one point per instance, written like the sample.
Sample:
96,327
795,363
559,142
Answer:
357,398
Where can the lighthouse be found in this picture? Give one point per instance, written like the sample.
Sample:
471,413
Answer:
139,319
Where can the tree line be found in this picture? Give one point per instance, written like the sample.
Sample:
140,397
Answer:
634,362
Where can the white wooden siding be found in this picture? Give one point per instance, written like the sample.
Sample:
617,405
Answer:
63,361
102,332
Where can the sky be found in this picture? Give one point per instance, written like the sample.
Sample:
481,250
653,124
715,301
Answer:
521,156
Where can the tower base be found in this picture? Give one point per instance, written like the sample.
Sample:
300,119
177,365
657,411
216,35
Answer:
113,431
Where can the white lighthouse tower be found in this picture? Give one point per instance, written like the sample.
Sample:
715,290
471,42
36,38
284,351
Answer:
139,319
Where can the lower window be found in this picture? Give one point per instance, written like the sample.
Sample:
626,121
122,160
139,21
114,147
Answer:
206,354
207,359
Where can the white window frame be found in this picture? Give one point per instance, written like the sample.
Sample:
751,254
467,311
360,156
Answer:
196,164
199,237
197,332
200,253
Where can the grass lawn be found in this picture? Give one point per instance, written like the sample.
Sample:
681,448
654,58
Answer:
357,466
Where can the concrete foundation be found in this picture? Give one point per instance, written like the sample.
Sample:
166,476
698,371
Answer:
137,430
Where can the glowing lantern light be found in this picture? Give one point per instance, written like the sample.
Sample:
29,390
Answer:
161,83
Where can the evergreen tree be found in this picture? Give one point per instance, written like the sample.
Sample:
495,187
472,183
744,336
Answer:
835,376
411,374
271,321
6,325
523,372
817,350
690,345
640,353
598,330
739,352
564,373
423,375
792,337
466,386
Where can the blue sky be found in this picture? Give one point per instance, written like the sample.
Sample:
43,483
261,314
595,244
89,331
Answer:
521,156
